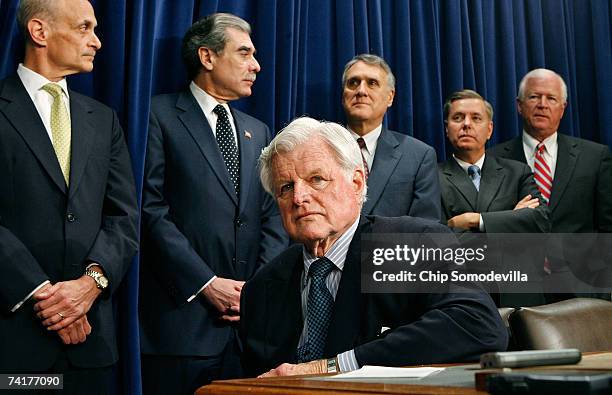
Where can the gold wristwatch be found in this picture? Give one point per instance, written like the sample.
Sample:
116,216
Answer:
99,278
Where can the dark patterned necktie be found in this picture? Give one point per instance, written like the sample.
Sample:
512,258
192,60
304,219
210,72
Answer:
362,144
227,145
319,310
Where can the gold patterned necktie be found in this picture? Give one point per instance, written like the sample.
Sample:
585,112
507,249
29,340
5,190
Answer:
60,129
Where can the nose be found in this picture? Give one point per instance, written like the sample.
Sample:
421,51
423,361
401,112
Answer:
301,194
543,101
361,88
255,67
95,42
467,121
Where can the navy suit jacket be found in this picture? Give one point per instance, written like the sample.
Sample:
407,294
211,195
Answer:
581,197
403,179
424,327
195,227
49,231
503,183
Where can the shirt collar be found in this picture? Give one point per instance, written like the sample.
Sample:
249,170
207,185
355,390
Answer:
550,142
206,101
337,253
370,138
464,165
33,82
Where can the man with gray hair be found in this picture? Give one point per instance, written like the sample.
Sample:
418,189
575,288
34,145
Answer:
304,311
574,175
208,225
68,209
400,170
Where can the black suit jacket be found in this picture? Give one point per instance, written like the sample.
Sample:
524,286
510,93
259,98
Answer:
49,231
425,328
503,183
581,197
195,227
403,179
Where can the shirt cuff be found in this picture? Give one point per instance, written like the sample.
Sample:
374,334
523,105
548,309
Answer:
192,297
18,305
481,223
347,361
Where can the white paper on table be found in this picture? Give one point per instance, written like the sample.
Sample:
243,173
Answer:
375,372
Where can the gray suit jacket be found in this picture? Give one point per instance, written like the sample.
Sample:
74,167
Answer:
403,179
503,183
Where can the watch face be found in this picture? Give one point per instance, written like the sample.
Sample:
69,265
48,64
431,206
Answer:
103,281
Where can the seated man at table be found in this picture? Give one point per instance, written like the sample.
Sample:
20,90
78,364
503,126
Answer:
304,312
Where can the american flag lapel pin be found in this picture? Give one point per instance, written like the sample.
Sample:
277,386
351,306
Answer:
247,134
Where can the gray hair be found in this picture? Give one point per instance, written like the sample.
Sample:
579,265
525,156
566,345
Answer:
302,130
29,9
209,32
466,94
372,60
540,73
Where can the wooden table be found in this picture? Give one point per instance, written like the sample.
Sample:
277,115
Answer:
301,385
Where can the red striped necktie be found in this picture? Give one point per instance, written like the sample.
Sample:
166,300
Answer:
542,173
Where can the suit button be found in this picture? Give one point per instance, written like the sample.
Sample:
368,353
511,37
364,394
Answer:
238,222
70,217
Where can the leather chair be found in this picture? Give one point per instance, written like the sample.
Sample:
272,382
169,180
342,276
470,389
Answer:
582,323
505,313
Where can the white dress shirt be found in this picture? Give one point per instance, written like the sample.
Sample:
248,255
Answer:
208,103
371,141
465,165
550,153
33,83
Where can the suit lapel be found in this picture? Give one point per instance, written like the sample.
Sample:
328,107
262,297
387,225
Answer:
82,140
492,177
284,303
460,180
22,114
386,159
345,321
567,153
515,150
196,124
247,158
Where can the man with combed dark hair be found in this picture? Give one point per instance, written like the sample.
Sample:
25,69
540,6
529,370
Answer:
304,312
400,170
574,175
68,207
481,193
207,223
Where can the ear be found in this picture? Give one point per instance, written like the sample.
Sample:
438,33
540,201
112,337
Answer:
490,132
39,31
518,106
207,57
390,97
358,181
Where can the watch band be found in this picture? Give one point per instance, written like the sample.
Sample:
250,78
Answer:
332,365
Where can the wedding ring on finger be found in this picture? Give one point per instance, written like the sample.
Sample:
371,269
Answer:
61,316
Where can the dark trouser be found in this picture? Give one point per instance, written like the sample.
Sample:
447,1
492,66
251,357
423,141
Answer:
183,375
77,381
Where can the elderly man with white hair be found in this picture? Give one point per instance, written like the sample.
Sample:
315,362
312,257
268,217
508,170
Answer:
304,312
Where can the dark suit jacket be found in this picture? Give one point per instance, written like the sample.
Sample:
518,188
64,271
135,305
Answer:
503,183
425,328
195,227
403,180
51,232
581,197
